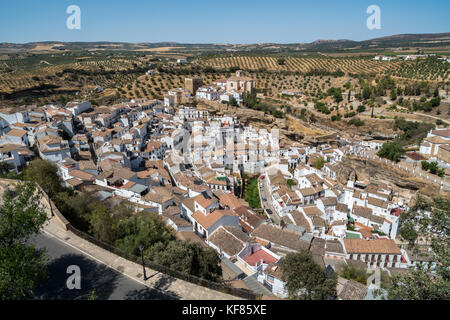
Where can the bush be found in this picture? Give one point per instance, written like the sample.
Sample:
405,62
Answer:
392,151
355,273
322,107
319,163
356,122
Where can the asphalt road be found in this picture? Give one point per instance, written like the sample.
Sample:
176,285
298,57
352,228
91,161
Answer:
265,194
108,283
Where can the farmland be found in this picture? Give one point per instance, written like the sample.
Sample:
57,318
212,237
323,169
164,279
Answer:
67,73
41,78
352,65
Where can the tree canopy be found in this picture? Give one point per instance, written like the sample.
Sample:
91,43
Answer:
187,257
43,173
22,266
427,221
391,150
305,279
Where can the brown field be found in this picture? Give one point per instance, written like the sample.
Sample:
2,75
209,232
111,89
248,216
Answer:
161,49
46,47
297,126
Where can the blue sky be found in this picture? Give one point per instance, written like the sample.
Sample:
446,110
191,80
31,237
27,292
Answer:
201,21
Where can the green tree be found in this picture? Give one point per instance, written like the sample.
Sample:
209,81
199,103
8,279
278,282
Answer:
44,173
103,225
142,229
355,273
391,150
22,266
394,94
319,163
436,92
291,183
22,270
418,285
189,258
361,108
433,167
305,279
428,220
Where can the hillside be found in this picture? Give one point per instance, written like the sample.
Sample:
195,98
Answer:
436,42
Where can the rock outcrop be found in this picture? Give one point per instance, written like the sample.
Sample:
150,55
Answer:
354,168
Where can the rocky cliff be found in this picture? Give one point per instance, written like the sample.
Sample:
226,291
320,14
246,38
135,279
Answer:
354,168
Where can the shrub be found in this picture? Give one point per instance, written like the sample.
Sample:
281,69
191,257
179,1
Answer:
392,151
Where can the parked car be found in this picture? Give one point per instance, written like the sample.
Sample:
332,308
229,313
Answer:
269,211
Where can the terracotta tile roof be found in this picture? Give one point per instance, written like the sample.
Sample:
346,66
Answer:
351,290
312,211
202,201
339,222
377,202
17,133
87,164
128,185
247,219
255,258
10,147
362,211
207,221
314,178
307,192
318,247
279,236
329,201
436,140
81,175
229,239
157,198
375,246
189,203
151,146
124,173
318,222
334,246
74,182
342,207
145,174
442,133
300,220
229,200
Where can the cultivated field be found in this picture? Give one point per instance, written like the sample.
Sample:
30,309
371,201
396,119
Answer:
304,64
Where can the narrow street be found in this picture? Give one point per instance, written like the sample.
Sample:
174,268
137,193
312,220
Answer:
267,204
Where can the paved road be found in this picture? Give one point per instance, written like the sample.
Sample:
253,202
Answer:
265,194
108,283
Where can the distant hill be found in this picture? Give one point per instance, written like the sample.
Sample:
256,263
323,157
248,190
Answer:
404,41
